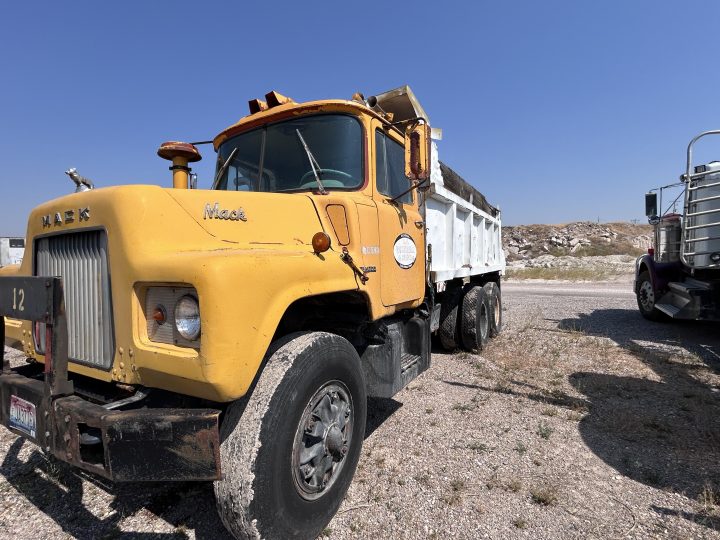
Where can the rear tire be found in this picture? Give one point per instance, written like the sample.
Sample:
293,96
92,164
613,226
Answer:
646,299
449,308
495,301
289,451
475,322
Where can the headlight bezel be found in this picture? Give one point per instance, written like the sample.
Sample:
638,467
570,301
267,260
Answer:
166,297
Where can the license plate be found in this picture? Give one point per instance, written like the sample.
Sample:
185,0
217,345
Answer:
22,416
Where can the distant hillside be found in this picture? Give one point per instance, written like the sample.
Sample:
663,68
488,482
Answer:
579,239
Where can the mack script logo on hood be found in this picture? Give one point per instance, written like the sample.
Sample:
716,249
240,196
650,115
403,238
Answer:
215,212
68,216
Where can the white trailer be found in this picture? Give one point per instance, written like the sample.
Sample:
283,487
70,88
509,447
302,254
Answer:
12,250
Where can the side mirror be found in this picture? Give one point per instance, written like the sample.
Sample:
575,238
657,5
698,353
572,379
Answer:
417,152
651,209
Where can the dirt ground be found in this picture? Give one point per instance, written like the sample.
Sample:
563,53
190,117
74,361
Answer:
582,420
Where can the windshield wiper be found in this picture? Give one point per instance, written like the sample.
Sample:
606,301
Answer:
313,163
221,170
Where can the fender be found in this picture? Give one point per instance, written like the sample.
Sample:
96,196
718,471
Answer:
661,273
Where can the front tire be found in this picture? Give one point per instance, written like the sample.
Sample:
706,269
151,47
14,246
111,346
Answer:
646,298
290,450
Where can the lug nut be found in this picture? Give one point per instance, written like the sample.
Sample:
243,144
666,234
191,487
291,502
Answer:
67,418
67,437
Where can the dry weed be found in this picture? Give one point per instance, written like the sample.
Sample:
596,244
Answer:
545,495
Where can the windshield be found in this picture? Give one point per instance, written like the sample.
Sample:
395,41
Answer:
293,155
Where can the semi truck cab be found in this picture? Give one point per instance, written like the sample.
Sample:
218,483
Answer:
680,276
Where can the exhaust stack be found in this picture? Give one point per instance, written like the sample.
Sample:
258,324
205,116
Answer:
180,153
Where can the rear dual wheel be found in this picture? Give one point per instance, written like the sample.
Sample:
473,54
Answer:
469,316
492,290
450,306
475,322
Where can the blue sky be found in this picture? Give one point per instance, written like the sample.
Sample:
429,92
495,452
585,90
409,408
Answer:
558,110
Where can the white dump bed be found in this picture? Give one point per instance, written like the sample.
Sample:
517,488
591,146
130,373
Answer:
463,240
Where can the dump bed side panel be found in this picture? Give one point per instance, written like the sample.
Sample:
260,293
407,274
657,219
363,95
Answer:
463,229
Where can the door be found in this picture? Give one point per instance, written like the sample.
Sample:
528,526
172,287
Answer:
401,227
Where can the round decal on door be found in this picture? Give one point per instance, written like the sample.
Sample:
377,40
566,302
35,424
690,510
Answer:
405,251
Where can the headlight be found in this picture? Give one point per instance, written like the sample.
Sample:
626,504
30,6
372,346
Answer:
187,318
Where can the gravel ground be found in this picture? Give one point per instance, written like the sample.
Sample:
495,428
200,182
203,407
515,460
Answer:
582,420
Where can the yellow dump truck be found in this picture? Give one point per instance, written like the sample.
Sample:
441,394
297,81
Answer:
233,334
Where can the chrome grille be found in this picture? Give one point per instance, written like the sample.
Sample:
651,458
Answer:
81,260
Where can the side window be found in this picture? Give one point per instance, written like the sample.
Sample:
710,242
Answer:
390,168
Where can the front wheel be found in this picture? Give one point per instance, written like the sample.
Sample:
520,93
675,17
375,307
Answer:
646,298
290,450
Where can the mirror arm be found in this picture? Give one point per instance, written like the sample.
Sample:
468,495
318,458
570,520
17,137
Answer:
415,185
415,120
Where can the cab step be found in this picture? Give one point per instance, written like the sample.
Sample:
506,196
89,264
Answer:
408,360
668,309
686,299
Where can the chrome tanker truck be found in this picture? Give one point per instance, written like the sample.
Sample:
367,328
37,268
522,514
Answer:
679,277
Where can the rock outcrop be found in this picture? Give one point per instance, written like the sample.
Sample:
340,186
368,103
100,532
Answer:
579,239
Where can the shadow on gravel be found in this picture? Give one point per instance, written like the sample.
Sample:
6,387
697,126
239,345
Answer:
664,433
535,393
61,492
379,410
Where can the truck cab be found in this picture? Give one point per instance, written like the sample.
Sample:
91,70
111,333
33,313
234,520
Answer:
233,334
680,276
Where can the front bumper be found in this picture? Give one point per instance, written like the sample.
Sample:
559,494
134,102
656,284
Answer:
140,444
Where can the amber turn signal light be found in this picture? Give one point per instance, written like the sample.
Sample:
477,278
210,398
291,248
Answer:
159,315
320,242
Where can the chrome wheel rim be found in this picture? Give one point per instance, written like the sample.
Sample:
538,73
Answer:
483,321
322,440
647,296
